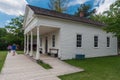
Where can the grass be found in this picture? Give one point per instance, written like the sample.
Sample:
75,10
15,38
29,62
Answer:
44,65
104,68
3,55
20,52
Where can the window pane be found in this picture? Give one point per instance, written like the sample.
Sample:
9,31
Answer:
108,41
95,41
79,41
53,41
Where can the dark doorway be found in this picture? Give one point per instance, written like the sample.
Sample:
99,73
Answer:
46,45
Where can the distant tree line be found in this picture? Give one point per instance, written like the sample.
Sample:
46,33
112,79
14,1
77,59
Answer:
3,42
12,34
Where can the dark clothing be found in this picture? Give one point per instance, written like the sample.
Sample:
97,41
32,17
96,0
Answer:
14,47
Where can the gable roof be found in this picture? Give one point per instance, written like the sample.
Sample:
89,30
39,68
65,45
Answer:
51,13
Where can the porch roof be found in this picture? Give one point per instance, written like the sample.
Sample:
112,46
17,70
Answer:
46,12
45,30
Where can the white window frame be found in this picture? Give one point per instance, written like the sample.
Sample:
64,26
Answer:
81,41
97,41
53,40
108,42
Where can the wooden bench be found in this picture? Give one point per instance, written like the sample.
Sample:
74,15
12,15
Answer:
53,52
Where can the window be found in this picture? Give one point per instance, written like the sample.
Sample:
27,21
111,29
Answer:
53,41
108,41
95,41
79,40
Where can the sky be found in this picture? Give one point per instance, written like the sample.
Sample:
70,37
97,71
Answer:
12,8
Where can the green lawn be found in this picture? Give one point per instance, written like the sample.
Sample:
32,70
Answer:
44,65
104,68
2,58
20,52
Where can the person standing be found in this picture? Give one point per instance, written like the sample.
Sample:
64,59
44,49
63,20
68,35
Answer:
14,49
9,48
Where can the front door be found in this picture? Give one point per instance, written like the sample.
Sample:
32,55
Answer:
46,44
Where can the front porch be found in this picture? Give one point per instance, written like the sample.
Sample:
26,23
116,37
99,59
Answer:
41,40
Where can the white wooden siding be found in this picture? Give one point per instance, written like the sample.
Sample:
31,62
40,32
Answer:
66,37
68,32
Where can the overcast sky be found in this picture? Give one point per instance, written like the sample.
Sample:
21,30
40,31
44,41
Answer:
13,8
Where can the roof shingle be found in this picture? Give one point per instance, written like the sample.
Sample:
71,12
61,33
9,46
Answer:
47,12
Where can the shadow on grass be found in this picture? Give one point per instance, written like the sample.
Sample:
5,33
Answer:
44,65
20,52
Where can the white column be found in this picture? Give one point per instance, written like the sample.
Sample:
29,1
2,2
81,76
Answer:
27,44
38,44
31,47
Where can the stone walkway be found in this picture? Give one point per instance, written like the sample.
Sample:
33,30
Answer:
59,67
20,67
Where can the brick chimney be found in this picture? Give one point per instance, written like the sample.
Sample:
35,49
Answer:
81,14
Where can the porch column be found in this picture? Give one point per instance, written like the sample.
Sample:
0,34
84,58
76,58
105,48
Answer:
38,44
31,47
27,44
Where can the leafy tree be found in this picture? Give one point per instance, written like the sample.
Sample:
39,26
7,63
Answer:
58,5
85,10
3,43
99,17
113,19
15,25
3,32
15,31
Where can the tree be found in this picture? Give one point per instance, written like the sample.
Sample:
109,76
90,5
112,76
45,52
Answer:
3,43
15,31
85,10
113,19
3,32
58,5
15,25
99,17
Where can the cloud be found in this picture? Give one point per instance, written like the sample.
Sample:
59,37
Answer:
33,0
100,5
75,2
12,7
7,22
97,3
105,6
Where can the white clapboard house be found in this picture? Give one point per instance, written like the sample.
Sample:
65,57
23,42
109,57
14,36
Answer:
65,35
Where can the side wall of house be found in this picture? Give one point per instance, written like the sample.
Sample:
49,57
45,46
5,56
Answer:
68,31
68,41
